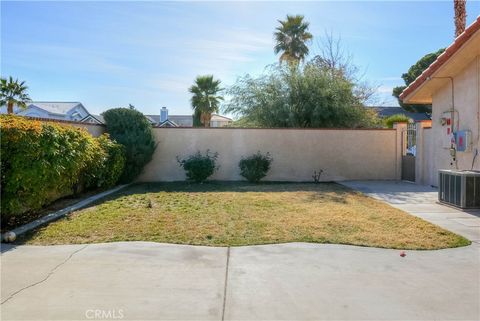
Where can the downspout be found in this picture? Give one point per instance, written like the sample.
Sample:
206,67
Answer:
478,112
453,111
478,99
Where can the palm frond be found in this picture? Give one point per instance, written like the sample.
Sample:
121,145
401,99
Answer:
205,97
13,92
291,38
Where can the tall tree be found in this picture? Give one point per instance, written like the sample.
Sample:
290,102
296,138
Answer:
205,99
309,96
291,39
335,59
460,16
13,93
413,72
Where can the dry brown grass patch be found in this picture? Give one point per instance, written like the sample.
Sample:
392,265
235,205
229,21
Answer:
232,214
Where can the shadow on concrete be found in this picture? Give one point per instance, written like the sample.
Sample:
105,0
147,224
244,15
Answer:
4,247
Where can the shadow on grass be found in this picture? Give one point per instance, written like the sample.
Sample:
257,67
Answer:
327,192
232,186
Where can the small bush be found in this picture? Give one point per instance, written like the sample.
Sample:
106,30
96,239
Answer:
397,118
42,162
199,167
317,176
255,167
130,128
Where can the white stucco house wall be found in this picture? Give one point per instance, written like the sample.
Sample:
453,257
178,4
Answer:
73,111
452,85
220,121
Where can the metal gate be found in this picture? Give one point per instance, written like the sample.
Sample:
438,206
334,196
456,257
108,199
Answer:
409,151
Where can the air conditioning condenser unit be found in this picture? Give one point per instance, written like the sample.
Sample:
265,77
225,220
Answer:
460,188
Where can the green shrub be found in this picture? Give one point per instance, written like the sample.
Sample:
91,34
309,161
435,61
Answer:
312,95
42,162
199,167
106,169
397,118
255,167
130,128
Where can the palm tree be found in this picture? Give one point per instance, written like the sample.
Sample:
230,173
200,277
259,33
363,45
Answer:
13,93
206,98
460,16
291,38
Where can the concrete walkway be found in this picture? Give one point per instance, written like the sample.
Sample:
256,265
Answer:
422,201
296,281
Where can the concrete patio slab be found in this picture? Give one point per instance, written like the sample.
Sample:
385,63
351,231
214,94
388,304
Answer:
472,222
335,282
296,281
29,265
396,192
422,201
137,280
436,208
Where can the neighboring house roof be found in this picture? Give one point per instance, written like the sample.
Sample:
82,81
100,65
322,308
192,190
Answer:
216,117
182,120
384,112
50,107
93,118
151,118
179,120
55,107
167,123
185,120
172,121
465,47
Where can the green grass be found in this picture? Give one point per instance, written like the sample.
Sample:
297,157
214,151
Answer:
233,214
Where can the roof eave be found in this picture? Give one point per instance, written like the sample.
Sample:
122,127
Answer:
411,99
408,94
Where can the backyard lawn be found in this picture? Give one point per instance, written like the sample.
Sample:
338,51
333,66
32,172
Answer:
232,214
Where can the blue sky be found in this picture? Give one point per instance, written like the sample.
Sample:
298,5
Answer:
110,54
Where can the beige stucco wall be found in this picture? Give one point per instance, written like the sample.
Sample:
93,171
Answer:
424,165
297,153
94,129
467,105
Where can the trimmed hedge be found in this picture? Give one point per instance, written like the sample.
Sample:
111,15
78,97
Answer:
106,168
397,118
41,162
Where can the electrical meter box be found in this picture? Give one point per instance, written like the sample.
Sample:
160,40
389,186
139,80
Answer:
463,140
447,131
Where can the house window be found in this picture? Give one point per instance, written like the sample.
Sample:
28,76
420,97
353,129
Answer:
76,116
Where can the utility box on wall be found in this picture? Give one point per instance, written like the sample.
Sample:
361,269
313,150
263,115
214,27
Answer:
447,131
463,140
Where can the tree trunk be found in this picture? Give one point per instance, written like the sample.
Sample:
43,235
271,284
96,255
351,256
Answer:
460,16
206,119
10,107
